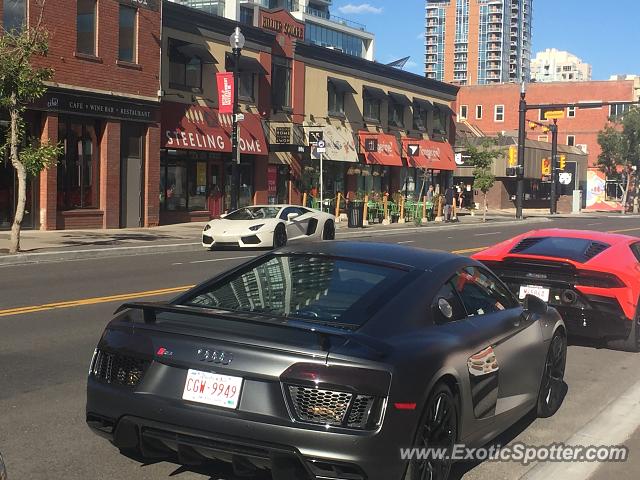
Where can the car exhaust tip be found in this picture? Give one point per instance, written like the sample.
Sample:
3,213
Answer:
569,297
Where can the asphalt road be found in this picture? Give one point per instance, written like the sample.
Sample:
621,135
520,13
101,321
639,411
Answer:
45,351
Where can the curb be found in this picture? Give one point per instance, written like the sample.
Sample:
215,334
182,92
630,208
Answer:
59,256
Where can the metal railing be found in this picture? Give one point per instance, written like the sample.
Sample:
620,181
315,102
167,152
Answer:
325,15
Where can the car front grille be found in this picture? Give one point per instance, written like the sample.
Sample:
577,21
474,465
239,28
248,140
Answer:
329,407
118,369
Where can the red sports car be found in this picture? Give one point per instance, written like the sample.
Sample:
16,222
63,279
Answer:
591,278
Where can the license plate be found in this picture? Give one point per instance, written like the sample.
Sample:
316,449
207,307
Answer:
540,292
212,389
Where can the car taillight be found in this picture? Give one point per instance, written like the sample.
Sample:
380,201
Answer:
336,396
598,280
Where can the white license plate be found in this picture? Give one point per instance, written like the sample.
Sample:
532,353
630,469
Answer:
540,292
212,389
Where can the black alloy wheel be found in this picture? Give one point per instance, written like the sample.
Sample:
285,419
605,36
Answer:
438,433
279,237
329,231
552,387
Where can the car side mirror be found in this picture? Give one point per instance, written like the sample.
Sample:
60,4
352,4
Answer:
291,216
533,304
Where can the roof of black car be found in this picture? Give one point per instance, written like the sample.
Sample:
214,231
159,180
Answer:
371,251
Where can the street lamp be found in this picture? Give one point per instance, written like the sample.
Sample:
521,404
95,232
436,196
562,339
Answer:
236,40
521,145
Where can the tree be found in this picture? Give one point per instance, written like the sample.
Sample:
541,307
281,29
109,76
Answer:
482,158
22,83
620,145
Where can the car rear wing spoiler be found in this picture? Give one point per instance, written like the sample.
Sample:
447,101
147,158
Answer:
150,311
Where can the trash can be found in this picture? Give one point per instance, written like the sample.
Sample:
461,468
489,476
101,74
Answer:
355,214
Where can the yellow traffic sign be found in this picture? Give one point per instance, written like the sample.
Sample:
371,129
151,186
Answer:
553,114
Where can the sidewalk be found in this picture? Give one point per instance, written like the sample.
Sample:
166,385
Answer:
57,245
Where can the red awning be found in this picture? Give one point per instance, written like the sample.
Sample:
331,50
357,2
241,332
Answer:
380,149
193,127
428,154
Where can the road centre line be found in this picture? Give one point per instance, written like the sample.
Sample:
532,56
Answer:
406,241
624,230
485,234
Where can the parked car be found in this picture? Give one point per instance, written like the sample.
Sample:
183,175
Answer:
592,278
268,226
322,361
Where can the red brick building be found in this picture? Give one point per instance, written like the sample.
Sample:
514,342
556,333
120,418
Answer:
102,106
494,109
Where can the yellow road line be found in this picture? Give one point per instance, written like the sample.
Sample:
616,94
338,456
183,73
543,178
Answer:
91,301
624,230
126,296
469,250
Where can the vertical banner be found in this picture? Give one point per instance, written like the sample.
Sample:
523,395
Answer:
225,91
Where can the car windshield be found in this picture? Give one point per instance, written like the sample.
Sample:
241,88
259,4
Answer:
253,213
320,290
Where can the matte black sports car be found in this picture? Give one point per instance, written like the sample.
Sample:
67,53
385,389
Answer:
322,361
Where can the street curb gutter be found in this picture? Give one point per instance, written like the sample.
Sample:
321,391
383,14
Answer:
24,258
91,253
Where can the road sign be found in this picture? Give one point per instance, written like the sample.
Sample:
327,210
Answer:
321,147
553,114
458,158
315,136
565,178
370,144
414,149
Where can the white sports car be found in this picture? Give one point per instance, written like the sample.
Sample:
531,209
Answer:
268,226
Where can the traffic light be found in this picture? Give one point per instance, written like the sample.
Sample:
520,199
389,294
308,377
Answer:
533,125
563,161
513,156
546,167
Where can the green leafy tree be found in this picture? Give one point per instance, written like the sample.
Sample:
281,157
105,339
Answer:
22,83
620,145
482,157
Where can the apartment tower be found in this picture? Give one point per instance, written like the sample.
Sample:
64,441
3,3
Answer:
471,42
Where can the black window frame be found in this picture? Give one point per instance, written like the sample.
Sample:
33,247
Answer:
281,74
395,112
420,113
371,104
335,100
247,83
80,48
134,33
177,58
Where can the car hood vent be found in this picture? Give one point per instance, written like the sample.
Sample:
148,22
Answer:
525,244
594,249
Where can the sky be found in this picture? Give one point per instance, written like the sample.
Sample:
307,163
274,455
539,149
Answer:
605,34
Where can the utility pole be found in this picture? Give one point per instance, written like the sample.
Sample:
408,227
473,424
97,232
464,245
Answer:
522,138
554,165
237,42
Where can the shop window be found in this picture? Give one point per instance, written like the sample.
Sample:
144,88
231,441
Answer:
185,73
79,165
396,114
246,87
127,34
281,83
86,27
371,108
14,15
183,184
335,99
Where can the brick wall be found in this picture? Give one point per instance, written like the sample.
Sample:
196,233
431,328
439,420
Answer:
584,126
152,177
110,174
102,72
48,177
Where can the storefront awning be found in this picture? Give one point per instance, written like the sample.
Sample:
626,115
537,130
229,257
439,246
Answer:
339,141
194,127
380,149
247,65
341,85
428,154
444,108
374,92
424,104
400,99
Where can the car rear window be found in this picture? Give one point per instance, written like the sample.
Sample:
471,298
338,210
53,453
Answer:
323,290
576,249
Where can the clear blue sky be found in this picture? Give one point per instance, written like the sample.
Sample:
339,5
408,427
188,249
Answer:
605,34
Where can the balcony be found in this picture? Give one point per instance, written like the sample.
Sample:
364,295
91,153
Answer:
325,15
461,48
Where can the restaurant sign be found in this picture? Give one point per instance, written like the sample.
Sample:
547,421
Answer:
106,107
286,27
